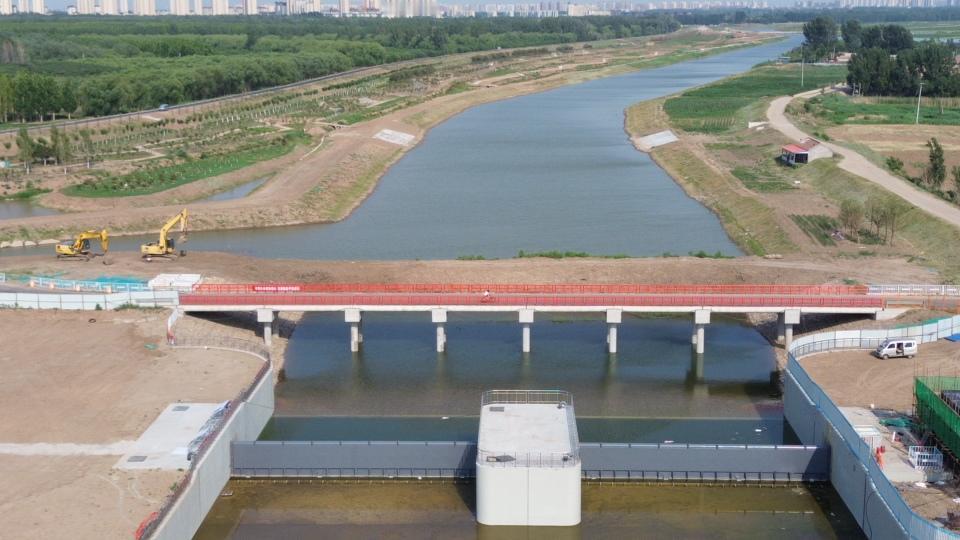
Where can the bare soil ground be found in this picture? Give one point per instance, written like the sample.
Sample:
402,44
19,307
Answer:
238,268
69,380
906,142
857,379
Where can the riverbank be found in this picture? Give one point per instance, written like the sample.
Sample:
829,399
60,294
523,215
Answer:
730,164
352,159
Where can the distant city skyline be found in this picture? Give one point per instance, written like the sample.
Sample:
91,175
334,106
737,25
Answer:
420,8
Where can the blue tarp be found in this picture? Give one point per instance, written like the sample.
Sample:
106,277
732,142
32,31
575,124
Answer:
955,337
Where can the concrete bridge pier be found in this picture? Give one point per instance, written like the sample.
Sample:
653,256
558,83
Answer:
781,328
439,317
353,317
790,318
701,318
266,316
614,318
526,319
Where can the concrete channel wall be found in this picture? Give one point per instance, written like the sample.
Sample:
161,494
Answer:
872,499
212,471
600,461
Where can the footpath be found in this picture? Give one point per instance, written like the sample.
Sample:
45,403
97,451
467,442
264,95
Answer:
855,163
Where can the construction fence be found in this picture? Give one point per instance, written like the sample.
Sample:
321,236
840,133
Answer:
107,287
865,489
935,413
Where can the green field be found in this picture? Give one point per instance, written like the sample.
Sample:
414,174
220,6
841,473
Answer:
840,109
819,228
714,108
155,179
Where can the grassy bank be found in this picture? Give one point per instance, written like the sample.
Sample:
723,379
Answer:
154,179
715,108
841,109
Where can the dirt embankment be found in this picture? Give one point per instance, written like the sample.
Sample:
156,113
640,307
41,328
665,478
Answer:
227,267
327,184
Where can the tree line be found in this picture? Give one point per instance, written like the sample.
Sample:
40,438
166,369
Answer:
886,59
106,65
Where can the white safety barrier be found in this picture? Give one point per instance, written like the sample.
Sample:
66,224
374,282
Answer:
89,302
913,290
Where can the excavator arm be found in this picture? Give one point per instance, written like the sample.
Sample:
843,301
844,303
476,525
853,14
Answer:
163,246
81,244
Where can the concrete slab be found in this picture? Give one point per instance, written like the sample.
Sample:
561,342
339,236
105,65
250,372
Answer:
164,445
395,137
896,461
525,428
649,142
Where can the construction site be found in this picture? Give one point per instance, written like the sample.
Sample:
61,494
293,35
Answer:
303,356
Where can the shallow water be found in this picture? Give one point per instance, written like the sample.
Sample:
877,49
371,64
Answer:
444,510
24,209
237,192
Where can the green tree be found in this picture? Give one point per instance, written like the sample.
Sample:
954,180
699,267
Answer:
955,173
26,148
851,217
68,99
60,145
936,171
820,35
871,70
852,34
892,38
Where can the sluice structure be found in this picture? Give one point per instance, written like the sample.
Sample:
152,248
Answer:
528,459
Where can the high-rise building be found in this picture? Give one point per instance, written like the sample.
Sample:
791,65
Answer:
179,7
6,7
250,7
109,7
122,7
85,7
198,7
344,8
221,7
38,6
146,7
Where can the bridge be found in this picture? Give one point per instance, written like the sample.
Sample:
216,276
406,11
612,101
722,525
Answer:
788,302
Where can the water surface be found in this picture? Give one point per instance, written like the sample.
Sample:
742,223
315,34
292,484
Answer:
546,171
445,510
24,209
237,192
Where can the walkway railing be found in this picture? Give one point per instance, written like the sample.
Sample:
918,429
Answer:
915,525
508,288
559,299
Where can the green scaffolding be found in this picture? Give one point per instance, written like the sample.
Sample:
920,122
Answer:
933,412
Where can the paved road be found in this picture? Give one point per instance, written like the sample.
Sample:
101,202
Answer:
855,163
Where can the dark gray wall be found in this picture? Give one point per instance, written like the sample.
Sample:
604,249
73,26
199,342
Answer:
599,461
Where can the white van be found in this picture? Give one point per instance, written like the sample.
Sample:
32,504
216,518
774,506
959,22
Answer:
895,348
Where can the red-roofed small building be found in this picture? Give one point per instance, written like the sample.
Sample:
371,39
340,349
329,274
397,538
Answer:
805,151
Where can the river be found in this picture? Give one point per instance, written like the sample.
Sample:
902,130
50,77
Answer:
547,171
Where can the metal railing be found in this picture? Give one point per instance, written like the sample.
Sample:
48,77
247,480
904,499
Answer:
560,299
914,290
915,525
548,397
515,288
546,460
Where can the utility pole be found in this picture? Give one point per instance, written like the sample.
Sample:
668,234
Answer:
920,93
803,59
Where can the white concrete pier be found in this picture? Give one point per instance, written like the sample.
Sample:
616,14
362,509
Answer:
701,318
353,317
528,459
526,319
266,316
790,318
614,318
439,318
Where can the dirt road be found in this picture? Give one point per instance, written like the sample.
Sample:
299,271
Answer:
855,163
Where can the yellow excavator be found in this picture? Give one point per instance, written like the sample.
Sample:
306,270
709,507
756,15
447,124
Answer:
80,248
165,246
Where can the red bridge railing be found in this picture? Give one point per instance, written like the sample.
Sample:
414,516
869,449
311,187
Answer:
452,288
495,299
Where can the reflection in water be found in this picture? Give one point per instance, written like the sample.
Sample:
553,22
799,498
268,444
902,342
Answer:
24,209
654,374
445,510
236,192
